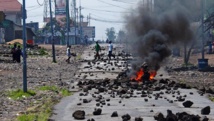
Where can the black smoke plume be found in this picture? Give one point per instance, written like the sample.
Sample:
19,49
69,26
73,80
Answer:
154,33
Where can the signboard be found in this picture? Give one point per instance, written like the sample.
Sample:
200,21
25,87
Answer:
60,11
88,31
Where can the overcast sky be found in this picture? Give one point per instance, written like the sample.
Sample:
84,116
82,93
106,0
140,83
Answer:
104,10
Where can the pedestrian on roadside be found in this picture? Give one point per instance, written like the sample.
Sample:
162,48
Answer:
13,52
97,49
18,54
110,49
68,53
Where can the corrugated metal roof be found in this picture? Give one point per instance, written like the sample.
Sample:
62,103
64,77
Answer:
10,5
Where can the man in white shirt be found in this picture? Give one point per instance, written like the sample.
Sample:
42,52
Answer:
68,53
110,49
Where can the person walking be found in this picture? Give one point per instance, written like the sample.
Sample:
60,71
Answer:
13,52
97,49
18,54
68,52
110,49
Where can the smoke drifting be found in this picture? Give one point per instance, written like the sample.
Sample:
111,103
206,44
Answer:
153,33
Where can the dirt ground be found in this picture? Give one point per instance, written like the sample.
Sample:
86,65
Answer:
40,71
191,74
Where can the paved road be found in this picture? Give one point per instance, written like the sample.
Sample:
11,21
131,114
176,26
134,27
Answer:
134,106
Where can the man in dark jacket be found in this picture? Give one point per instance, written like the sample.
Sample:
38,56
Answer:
13,51
18,54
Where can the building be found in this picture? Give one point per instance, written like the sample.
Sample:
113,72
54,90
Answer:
13,31
12,9
11,27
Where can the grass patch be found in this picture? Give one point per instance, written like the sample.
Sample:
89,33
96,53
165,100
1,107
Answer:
63,91
42,113
25,117
187,65
181,81
211,98
37,52
43,51
48,88
78,57
43,110
19,94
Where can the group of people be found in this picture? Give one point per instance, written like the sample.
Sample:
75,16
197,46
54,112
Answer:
16,53
98,49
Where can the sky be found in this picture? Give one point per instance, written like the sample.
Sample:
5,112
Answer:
106,11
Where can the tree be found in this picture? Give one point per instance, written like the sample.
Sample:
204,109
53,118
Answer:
121,36
110,33
57,27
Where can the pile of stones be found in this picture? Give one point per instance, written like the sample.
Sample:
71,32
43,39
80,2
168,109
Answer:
126,88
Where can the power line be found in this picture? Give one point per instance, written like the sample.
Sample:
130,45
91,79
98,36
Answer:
35,16
111,4
123,2
39,3
104,10
107,21
35,8
96,13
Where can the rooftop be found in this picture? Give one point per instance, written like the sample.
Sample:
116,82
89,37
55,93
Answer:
10,5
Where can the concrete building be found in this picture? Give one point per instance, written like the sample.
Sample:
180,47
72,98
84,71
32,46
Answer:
12,9
11,27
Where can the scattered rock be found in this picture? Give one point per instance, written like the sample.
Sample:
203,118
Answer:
97,111
159,116
138,119
205,110
114,114
187,104
126,117
204,118
79,114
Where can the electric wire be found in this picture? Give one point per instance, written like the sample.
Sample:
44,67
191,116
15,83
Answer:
111,4
39,3
104,10
34,8
123,2
105,20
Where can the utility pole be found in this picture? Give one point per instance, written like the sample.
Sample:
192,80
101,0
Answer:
80,22
24,47
202,24
67,21
75,22
52,33
89,19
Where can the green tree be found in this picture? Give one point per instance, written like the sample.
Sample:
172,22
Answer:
110,33
57,27
121,36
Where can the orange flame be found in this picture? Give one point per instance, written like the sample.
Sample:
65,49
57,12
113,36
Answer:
152,75
140,73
